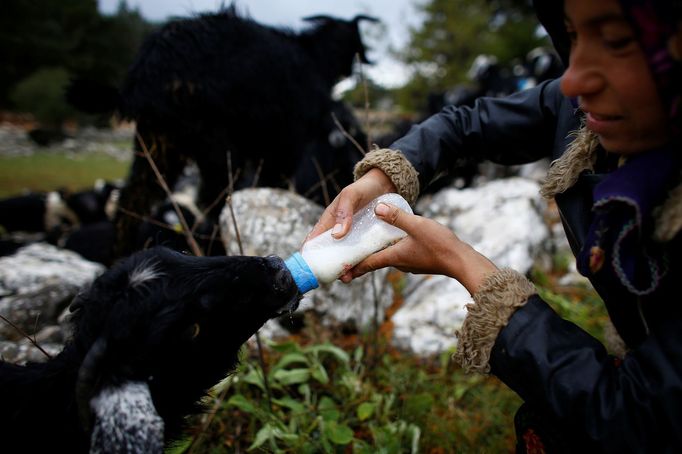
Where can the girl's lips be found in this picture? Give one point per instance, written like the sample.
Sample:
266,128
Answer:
600,124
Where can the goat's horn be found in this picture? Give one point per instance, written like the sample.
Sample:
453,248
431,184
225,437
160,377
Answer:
87,377
360,17
320,18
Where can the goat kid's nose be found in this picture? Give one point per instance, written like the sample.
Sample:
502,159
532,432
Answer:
282,279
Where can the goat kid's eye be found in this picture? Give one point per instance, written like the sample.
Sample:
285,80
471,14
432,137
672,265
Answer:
192,331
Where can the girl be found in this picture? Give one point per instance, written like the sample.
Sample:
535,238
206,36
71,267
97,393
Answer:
612,125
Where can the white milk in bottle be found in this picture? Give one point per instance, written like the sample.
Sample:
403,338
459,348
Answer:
324,258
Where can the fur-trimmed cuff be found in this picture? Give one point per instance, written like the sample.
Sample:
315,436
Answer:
500,295
394,164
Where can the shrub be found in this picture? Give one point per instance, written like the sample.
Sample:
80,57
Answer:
42,94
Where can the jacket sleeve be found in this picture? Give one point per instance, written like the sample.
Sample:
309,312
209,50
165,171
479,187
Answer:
517,129
634,406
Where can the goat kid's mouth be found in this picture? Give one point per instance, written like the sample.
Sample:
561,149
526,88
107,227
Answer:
290,306
283,286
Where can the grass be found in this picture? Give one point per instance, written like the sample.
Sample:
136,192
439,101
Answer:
48,171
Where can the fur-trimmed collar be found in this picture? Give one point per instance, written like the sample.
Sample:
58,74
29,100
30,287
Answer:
580,156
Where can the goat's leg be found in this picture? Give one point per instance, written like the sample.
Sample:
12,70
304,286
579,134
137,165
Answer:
215,179
142,189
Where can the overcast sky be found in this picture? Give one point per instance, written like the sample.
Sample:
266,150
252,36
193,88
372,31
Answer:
396,16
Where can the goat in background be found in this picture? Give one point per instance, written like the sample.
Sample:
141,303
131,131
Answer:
217,83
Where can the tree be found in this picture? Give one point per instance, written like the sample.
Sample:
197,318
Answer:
37,38
39,34
110,46
454,32
41,93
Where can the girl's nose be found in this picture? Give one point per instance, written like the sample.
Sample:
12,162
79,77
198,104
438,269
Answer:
582,78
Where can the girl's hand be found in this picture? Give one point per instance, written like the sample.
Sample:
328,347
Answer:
339,213
429,248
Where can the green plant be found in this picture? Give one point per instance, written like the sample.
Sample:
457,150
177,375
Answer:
42,94
326,400
578,303
319,404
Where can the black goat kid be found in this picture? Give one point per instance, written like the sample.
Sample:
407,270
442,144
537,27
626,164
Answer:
151,336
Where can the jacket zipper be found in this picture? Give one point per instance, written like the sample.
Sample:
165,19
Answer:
641,315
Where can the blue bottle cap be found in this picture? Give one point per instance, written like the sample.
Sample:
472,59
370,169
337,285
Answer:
300,271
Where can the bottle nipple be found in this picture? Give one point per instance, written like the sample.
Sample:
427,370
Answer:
303,276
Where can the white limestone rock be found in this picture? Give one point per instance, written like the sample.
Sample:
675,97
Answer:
37,283
502,220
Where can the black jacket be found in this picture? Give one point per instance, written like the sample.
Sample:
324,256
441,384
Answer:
593,399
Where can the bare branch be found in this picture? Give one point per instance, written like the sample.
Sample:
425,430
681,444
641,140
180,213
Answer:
363,80
323,181
234,224
230,184
159,224
328,177
196,250
347,135
216,229
24,334
258,171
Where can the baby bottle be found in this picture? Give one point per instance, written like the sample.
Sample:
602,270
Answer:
325,258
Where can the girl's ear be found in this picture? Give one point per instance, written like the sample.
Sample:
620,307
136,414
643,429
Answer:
675,44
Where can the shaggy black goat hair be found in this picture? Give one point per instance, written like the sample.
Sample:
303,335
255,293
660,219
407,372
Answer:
220,82
151,336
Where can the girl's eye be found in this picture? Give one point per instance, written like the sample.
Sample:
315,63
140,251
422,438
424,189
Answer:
618,44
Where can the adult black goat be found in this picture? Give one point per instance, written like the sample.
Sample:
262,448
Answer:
151,335
217,83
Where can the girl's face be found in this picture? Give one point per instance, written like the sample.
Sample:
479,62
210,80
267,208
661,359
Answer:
609,75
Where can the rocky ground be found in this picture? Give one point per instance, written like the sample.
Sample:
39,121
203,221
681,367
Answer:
15,141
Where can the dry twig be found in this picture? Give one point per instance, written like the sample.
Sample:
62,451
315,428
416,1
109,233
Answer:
196,250
347,135
24,334
363,80
323,181
158,224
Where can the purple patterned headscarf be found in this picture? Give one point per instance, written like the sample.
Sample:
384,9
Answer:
656,22
618,252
